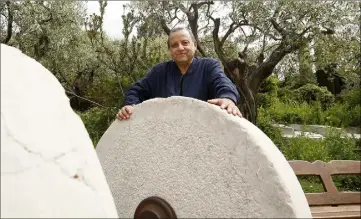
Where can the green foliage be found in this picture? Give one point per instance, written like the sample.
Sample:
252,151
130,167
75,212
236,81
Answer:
311,93
286,95
347,182
264,123
340,115
352,97
311,184
294,113
303,148
305,65
267,92
334,146
270,85
97,121
340,147
346,112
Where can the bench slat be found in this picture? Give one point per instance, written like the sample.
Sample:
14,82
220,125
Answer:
337,215
339,198
340,208
335,167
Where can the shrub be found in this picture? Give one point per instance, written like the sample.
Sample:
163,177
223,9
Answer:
267,92
352,97
97,121
341,115
270,85
286,95
312,93
303,113
265,100
340,148
265,124
303,148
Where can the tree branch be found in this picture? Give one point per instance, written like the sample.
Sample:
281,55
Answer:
209,15
72,93
262,31
279,29
10,23
183,9
193,23
305,30
230,30
266,69
200,4
204,26
41,3
164,26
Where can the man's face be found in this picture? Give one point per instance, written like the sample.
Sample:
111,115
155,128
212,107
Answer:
182,48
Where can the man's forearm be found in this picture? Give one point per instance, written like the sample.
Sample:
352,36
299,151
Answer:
136,94
230,96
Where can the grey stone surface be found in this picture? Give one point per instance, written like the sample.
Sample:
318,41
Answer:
305,134
286,130
49,168
320,129
203,161
315,131
353,130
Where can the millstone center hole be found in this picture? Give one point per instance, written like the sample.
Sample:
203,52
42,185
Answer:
154,208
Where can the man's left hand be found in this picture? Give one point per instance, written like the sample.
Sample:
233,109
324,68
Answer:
226,104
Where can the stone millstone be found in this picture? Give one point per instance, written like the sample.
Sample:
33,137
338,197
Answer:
202,161
49,168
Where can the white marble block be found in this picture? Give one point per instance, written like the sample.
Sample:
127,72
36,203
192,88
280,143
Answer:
49,167
202,161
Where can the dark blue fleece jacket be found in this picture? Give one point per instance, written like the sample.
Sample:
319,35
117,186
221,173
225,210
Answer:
204,80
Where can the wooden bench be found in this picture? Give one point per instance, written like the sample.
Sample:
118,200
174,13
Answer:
331,203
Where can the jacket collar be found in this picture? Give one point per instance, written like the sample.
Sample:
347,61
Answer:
191,68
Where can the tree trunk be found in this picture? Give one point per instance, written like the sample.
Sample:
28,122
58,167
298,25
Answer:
10,21
248,78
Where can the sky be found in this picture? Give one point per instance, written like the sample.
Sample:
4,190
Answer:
113,24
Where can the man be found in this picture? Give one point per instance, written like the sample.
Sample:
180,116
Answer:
186,75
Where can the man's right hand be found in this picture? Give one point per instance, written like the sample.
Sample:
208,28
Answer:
125,112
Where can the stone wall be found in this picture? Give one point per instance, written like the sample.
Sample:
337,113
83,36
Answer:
315,131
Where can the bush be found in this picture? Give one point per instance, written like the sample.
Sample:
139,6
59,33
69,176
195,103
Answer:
311,93
265,124
342,115
265,100
286,95
340,148
267,92
97,121
303,148
303,113
270,85
352,97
